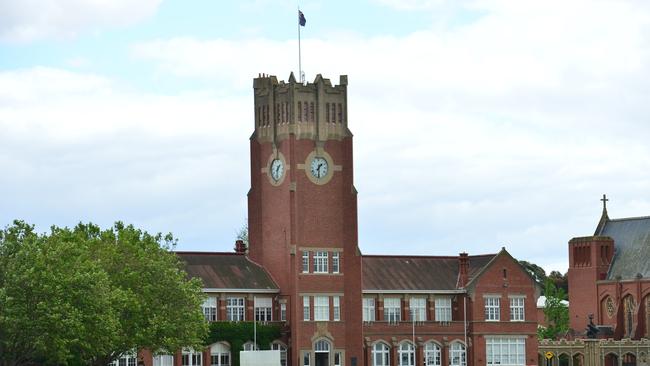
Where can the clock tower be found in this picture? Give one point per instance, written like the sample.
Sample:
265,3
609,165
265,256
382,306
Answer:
302,215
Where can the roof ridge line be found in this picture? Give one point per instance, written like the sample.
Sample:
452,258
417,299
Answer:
425,256
631,218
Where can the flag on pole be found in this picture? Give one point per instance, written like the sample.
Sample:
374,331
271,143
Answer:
301,18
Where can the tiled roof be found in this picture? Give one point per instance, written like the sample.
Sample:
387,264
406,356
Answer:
632,243
416,272
227,271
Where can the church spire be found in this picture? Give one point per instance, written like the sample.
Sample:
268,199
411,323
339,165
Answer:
603,217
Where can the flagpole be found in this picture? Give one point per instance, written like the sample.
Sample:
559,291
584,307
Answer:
299,53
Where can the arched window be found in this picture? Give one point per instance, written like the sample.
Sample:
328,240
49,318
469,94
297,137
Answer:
163,359
406,354
250,346
220,354
380,354
432,354
629,306
322,346
283,352
190,357
457,354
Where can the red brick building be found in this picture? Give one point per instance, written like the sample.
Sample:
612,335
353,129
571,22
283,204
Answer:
304,268
609,277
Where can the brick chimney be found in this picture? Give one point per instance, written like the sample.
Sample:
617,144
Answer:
463,269
240,247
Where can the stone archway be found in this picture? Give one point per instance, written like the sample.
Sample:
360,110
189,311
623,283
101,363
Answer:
628,359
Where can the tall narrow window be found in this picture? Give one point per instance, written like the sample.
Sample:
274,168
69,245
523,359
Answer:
418,307
299,111
263,309
338,359
336,262
336,313
340,113
311,112
443,309
333,113
492,308
320,262
305,262
327,112
210,309
306,112
517,309
392,309
283,312
368,309
306,358
235,309
321,308
305,308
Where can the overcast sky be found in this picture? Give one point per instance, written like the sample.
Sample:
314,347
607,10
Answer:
477,124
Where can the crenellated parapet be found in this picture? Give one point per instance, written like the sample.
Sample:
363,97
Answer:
316,111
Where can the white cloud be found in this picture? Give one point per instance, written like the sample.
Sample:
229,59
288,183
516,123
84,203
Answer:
503,131
28,20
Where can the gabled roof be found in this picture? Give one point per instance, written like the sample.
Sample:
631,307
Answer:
632,246
416,273
227,271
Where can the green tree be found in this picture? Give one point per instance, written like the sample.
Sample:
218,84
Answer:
556,313
534,270
560,280
85,296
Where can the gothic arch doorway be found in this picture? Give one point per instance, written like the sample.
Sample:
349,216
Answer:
322,353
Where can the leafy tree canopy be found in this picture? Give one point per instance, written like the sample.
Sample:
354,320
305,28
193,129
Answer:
87,295
556,313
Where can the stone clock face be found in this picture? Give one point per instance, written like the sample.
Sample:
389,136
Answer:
277,169
319,167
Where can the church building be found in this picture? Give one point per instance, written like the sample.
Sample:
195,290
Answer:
303,268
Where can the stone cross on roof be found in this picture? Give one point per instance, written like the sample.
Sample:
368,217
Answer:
604,199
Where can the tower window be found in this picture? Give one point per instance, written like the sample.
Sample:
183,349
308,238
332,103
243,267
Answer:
327,112
311,111
333,113
306,112
299,111
340,113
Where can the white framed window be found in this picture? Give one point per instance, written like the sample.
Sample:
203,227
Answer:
432,354
505,350
517,309
305,262
418,307
276,346
320,262
380,354
305,308
368,309
321,308
235,309
443,309
492,308
457,355
163,360
283,312
338,359
336,262
219,355
210,308
250,346
126,359
190,357
392,309
263,309
306,358
406,354
336,311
